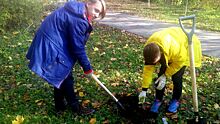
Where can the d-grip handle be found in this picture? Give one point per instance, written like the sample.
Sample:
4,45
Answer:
190,33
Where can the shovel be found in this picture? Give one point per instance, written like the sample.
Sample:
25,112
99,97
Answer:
197,119
103,86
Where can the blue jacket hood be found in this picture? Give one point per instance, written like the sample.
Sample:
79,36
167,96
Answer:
74,8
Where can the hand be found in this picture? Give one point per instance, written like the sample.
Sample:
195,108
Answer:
88,73
142,97
160,82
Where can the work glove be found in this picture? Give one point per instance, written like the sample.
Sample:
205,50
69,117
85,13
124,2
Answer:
160,83
88,73
142,97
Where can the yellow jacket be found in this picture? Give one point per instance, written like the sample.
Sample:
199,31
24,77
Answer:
174,45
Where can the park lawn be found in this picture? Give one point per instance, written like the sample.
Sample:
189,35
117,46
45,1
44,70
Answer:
206,19
117,59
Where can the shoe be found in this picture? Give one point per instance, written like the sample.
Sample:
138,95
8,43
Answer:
173,106
82,110
60,106
156,105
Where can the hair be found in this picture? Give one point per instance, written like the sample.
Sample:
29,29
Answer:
103,13
151,52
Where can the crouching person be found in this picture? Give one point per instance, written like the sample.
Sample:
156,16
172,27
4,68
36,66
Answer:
169,49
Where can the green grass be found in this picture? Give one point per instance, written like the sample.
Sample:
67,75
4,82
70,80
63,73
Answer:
206,19
117,59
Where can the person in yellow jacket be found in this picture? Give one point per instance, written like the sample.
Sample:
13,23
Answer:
169,49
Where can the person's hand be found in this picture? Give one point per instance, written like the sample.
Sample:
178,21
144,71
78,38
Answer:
88,73
142,97
160,82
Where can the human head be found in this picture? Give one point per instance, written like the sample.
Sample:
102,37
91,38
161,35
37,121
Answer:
96,8
151,54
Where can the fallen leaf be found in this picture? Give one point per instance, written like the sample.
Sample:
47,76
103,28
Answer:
15,32
170,86
5,37
113,59
85,102
106,122
81,94
96,49
39,102
115,84
117,73
216,106
19,120
92,121
26,97
126,46
96,104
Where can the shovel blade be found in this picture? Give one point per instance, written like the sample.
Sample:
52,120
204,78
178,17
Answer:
121,106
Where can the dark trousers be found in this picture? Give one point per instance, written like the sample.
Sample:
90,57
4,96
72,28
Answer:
177,83
66,92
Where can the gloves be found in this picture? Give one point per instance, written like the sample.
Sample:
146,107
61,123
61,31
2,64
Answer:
142,97
88,73
160,82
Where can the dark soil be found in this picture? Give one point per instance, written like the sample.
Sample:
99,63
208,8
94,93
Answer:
133,113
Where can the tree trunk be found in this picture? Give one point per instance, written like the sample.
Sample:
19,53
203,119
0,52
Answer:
186,8
148,3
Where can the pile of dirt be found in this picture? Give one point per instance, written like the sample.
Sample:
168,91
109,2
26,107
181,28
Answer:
133,113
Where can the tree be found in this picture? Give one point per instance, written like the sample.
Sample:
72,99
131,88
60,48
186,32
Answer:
186,8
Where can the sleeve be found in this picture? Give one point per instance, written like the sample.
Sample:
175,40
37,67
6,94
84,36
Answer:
147,75
78,37
173,68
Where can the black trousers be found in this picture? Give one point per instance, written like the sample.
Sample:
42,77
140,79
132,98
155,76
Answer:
66,92
177,83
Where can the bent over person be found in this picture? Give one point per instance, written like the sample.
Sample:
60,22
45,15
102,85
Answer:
59,43
169,49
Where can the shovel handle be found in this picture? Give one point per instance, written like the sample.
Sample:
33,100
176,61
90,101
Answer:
188,34
103,86
191,58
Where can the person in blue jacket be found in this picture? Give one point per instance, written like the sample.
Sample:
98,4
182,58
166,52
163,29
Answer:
59,43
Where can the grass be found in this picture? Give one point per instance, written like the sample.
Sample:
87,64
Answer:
117,59
206,19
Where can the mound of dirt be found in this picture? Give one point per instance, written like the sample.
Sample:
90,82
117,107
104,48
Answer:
133,113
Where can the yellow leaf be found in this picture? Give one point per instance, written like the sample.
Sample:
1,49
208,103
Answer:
216,106
106,122
81,94
19,120
115,84
126,46
85,102
5,37
81,121
96,49
92,121
99,71
96,104
117,73
39,102
15,32
170,86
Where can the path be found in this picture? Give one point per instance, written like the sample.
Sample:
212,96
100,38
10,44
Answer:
145,27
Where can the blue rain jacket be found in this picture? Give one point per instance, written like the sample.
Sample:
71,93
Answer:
59,43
